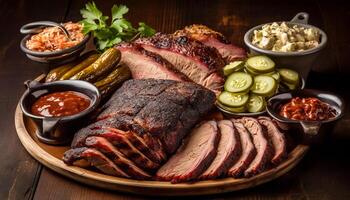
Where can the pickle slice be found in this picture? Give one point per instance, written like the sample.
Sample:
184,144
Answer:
264,85
256,103
289,76
241,109
238,82
232,99
260,64
233,67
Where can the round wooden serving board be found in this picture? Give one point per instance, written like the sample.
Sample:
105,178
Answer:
50,156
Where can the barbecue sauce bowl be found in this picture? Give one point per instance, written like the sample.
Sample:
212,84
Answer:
312,130
59,130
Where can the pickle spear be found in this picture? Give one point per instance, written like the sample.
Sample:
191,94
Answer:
79,67
104,63
55,74
114,79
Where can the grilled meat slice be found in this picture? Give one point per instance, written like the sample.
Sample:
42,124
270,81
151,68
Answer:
104,146
277,139
200,63
209,37
262,146
145,64
229,150
89,157
248,151
119,139
280,125
194,156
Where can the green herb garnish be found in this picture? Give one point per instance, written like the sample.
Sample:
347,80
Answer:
119,29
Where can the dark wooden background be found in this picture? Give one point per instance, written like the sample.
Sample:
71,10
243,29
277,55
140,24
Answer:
322,174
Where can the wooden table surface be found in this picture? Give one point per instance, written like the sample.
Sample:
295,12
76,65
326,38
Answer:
322,174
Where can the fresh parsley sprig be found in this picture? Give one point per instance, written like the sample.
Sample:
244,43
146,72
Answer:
119,29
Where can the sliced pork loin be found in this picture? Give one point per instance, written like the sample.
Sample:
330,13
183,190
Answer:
145,64
104,146
209,37
201,63
262,146
194,156
89,157
277,139
248,151
229,150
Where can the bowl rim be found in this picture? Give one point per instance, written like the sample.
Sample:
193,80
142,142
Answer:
64,83
313,93
53,53
249,33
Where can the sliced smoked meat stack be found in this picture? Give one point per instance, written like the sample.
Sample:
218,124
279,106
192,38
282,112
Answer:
145,120
209,37
201,63
89,157
194,156
262,146
248,151
228,151
119,139
277,139
105,147
145,64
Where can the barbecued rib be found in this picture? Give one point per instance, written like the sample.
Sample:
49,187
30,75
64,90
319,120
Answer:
248,151
262,146
201,63
193,157
228,151
104,146
209,37
145,64
277,139
86,157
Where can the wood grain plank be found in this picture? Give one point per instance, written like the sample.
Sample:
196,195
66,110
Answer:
18,171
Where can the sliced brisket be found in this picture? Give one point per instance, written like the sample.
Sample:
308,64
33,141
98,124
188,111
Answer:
201,63
194,156
277,139
262,146
104,146
228,151
145,64
89,157
248,151
209,37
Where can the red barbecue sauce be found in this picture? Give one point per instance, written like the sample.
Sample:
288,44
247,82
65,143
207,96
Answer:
307,109
59,104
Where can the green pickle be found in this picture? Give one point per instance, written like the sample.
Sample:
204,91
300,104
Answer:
233,67
238,82
264,85
256,103
233,100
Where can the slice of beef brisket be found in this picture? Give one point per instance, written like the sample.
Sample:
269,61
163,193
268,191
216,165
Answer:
229,150
89,157
262,146
194,156
248,151
145,64
109,150
201,63
277,139
209,37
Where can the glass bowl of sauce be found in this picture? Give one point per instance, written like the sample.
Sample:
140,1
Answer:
59,108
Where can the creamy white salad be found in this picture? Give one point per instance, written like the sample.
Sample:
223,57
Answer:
283,38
